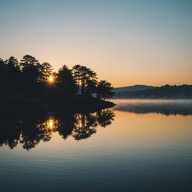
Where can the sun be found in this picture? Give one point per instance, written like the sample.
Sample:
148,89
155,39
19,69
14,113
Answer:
51,79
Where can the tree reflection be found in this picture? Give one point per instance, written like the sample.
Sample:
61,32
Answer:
105,118
30,129
85,126
9,131
66,124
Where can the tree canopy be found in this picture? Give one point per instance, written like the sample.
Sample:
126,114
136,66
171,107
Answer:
104,90
31,78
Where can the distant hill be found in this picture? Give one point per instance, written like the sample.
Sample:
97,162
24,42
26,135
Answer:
132,88
149,92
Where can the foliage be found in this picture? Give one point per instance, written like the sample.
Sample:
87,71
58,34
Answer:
46,70
31,78
66,82
85,78
104,90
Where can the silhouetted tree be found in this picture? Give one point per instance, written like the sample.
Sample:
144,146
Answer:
31,68
66,82
13,73
91,87
13,63
85,78
31,73
29,81
2,75
28,60
104,90
46,70
1,63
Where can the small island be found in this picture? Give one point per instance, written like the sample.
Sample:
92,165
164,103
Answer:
30,84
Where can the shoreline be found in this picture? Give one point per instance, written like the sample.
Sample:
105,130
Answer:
78,103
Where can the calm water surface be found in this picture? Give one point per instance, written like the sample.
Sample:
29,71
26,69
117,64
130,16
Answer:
136,146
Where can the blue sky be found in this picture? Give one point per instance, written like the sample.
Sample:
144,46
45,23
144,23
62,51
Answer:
125,42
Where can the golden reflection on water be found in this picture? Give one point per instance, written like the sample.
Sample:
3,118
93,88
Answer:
133,133
149,130
128,130
49,125
30,129
52,124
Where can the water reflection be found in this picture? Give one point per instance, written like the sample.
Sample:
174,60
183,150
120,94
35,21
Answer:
30,128
166,107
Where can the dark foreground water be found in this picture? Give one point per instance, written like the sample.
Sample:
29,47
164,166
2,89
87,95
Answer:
136,146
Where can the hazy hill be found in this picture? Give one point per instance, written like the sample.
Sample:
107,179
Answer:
133,88
163,92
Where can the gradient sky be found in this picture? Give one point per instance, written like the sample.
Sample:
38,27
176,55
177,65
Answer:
125,41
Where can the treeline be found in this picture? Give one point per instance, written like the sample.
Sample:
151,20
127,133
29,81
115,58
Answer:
30,78
163,92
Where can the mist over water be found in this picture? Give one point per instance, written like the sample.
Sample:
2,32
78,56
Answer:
139,145
166,107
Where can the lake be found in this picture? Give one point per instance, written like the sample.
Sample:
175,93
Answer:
139,145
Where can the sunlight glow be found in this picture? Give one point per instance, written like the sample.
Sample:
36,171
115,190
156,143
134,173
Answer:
51,79
51,124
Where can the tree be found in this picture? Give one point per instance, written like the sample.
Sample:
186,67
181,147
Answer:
13,73
91,87
104,90
13,63
2,68
66,82
85,78
31,69
3,78
9,75
29,78
46,70
31,73
28,60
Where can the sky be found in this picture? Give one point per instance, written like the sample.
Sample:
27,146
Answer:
126,42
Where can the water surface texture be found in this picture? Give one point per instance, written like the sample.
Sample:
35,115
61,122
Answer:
135,146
